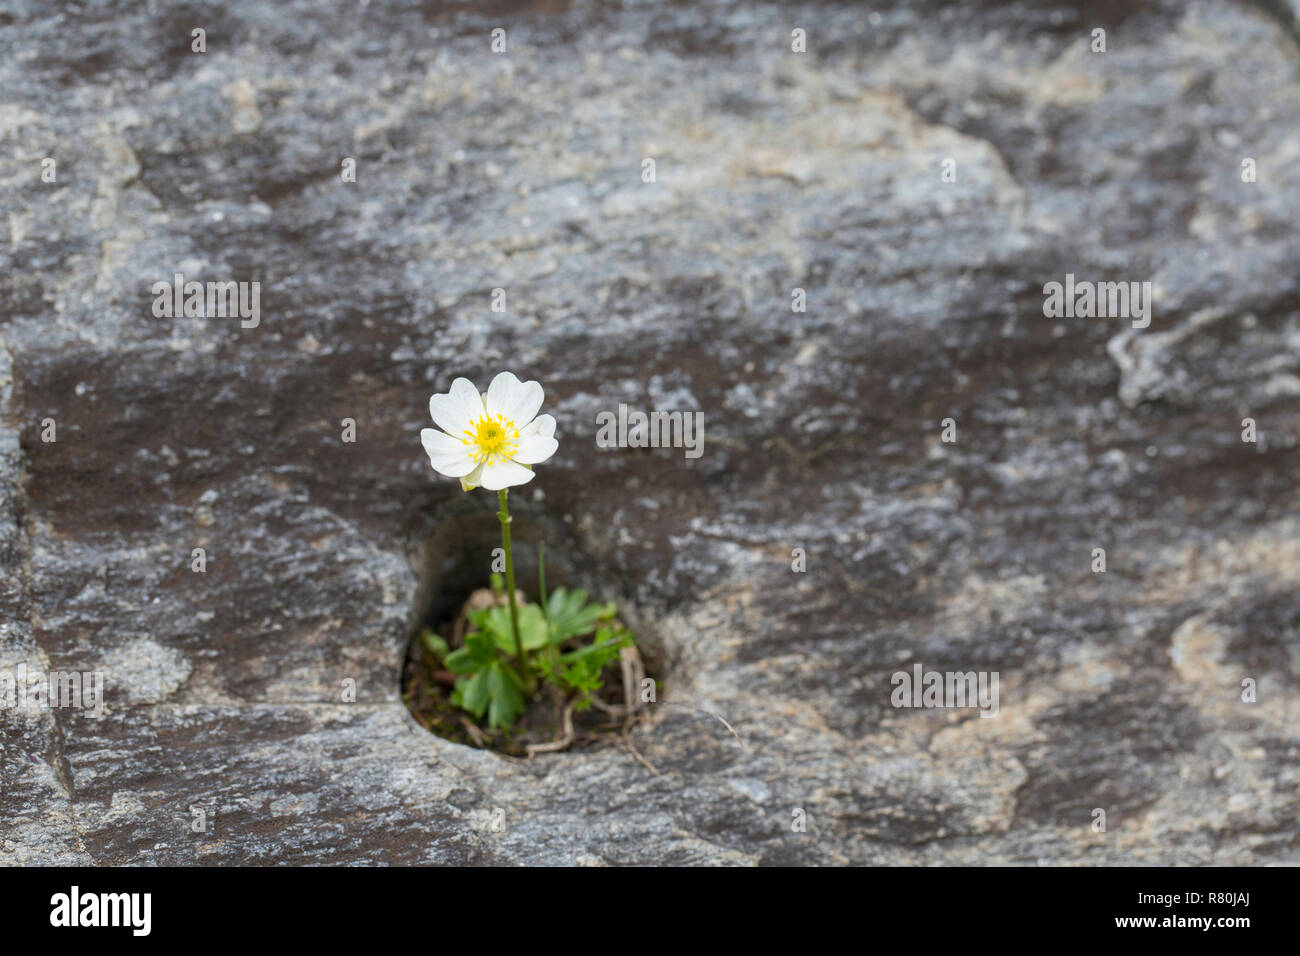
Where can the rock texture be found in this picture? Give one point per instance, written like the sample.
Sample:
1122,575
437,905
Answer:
774,170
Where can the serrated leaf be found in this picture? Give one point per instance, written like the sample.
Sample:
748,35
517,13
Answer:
532,627
580,670
473,693
475,655
460,661
434,644
571,616
505,692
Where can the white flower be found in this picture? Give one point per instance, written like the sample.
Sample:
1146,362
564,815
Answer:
489,440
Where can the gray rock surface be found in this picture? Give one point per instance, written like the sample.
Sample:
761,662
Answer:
775,170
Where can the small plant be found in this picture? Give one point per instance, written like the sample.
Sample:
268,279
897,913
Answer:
511,648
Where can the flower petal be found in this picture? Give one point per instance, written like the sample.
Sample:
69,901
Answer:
541,425
447,455
455,410
474,478
510,398
505,474
534,449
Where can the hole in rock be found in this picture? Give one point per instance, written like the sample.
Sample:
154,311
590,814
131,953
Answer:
454,553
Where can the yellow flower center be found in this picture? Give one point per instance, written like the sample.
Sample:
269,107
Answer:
491,439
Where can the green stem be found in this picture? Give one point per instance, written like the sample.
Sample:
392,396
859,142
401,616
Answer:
542,597
504,515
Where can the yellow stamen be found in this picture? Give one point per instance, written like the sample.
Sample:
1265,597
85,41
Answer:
491,439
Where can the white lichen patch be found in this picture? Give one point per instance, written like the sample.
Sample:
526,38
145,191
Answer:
147,671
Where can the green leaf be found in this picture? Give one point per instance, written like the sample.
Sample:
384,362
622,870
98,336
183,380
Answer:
460,661
532,627
506,698
475,655
434,644
580,670
472,693
490,685
564,602
571,616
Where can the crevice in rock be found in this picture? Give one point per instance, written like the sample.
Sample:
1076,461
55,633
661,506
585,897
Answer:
453,553
20,560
